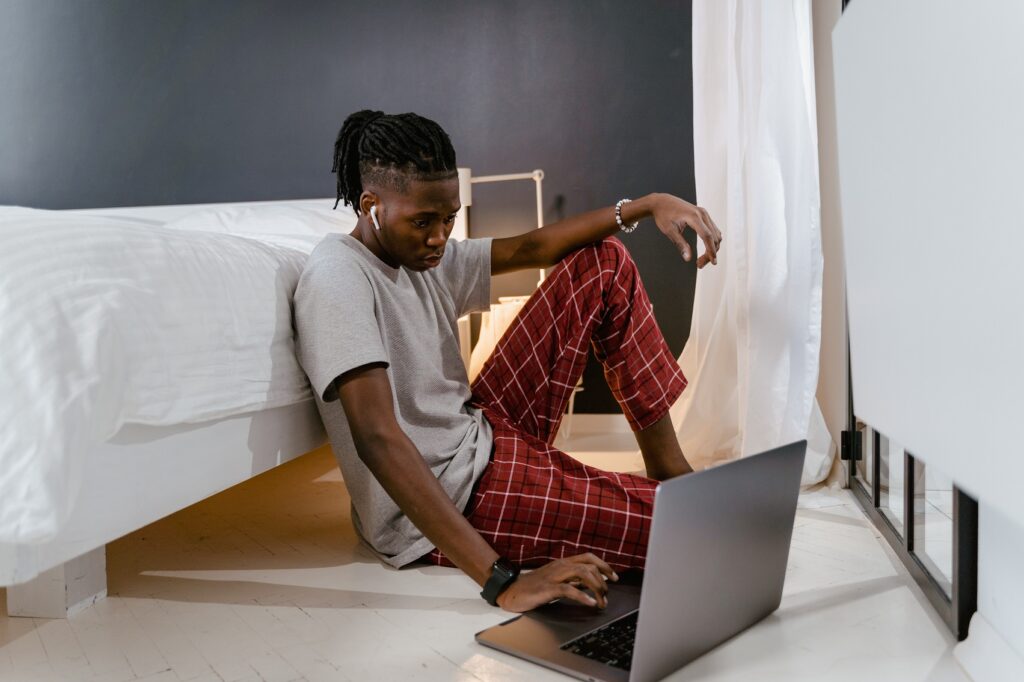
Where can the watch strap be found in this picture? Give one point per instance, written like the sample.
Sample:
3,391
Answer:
503,574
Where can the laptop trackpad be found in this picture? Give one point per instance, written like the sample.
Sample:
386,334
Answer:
568,619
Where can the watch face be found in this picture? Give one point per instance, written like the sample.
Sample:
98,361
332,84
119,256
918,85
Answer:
507,570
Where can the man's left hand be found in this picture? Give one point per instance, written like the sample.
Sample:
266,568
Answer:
673,215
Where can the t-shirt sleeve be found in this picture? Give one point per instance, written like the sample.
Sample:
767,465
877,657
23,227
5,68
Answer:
336,327
468,274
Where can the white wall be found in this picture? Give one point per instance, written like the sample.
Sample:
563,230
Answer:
929,105
993,650
1001,577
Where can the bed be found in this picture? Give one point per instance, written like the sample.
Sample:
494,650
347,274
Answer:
147,356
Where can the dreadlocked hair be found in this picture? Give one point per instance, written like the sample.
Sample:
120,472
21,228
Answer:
388,150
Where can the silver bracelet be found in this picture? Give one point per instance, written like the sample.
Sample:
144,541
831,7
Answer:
618,217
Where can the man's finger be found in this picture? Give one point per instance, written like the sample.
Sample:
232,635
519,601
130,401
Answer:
567,591
676,235
704,232
595,580
586,573
588,577
602,565
708,219
709,246
712,249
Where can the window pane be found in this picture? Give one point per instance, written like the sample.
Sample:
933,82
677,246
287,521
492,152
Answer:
864,465
933,523
890,479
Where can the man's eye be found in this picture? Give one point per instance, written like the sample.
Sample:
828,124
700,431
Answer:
420,223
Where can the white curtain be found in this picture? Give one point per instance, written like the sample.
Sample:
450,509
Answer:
752,355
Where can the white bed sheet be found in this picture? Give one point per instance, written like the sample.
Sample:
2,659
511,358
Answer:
116,316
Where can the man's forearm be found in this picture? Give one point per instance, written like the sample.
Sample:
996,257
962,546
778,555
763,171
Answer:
557,240
399,467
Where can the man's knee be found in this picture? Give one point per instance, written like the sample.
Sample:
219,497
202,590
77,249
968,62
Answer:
613,243
614,248
609,250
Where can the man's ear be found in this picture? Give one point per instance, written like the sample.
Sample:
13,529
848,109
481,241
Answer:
366,200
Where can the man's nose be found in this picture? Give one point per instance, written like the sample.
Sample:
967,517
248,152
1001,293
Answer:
437,237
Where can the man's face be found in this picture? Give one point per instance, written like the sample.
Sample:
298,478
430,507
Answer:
417,222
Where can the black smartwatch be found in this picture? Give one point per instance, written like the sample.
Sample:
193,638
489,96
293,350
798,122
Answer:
503,574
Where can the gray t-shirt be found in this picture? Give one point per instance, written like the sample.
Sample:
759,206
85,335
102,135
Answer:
351,309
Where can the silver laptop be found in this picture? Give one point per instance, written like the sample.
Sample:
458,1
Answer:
716,562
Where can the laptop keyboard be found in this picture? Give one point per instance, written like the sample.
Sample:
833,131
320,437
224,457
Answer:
611,644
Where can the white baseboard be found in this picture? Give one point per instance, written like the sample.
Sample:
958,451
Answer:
985,656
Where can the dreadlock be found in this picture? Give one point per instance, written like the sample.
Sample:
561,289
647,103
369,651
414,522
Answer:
382,149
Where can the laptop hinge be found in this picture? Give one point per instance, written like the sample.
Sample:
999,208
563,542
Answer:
850,447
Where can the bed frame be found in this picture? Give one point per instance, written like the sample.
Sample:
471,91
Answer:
140,475
144,473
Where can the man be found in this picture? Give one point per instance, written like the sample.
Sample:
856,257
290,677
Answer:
467,476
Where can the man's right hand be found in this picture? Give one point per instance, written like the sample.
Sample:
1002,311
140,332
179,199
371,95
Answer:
562,578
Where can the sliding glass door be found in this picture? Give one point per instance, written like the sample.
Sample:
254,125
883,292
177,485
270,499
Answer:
932,525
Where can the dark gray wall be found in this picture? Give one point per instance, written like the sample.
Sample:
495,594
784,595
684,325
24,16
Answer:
115,103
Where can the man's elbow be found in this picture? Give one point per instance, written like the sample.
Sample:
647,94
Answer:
374,444
540,253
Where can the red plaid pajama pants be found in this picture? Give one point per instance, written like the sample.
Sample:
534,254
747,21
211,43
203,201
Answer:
535,503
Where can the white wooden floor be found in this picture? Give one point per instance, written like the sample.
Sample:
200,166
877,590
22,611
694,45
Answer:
266,581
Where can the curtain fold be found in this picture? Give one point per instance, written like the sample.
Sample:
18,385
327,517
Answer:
753,352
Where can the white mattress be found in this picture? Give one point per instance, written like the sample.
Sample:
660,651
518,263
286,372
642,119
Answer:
151,315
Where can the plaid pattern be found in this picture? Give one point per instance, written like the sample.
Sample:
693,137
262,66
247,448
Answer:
534,503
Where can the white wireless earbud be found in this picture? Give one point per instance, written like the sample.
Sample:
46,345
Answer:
373,216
